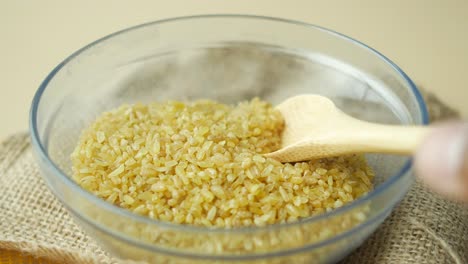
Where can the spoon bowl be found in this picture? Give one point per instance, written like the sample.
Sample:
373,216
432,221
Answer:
316,128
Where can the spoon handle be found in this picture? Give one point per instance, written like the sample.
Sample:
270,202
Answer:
393,139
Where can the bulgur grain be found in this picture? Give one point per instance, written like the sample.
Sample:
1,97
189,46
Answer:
200,163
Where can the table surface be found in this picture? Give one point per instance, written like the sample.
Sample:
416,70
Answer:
428,39
15,257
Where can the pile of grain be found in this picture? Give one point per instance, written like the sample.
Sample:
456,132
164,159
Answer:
201,164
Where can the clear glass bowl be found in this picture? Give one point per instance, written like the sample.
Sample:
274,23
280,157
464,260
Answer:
226,58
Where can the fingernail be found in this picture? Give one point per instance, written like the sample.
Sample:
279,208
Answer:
441,161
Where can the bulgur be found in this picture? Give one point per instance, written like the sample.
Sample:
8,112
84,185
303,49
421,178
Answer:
201,163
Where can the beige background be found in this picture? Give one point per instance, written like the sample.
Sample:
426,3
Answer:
428,39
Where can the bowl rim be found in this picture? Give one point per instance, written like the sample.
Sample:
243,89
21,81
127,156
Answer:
40,149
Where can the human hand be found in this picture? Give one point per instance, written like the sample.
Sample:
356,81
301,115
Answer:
442,160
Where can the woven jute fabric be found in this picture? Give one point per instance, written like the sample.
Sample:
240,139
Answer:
424,228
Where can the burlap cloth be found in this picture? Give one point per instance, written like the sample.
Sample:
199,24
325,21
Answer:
423,229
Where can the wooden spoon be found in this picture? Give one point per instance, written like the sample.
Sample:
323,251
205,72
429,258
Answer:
316,128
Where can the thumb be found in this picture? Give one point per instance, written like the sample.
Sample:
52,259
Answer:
442,160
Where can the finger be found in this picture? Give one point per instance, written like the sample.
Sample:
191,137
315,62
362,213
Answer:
442,160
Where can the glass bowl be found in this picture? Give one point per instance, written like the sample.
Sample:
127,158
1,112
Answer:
227,58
